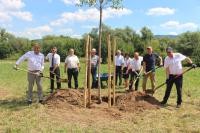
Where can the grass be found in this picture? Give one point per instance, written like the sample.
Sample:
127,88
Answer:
17,117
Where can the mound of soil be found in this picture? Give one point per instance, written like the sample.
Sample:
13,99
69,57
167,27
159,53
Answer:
130,102
65,97
136,101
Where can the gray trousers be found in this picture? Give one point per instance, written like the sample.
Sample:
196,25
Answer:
31,80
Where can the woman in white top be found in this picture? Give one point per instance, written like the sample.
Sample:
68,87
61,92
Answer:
127,60
72,65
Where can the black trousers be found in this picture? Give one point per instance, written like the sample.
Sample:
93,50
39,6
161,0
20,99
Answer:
133,78
94,78
52,75
178,82
72,72
118,74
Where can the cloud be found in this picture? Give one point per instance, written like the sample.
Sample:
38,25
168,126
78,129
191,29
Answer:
88,26
34,33
71,2
160,11
4,17
173,33
13,8
91,14
179,26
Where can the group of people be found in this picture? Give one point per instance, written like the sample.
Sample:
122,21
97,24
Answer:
125,67
36,66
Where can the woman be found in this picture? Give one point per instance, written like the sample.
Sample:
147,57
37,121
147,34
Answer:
127,60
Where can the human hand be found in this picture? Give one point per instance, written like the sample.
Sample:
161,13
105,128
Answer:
193,65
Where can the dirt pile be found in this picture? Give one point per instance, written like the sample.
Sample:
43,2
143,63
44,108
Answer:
64,98
136,101
129,102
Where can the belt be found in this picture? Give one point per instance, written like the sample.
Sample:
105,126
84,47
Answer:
34,71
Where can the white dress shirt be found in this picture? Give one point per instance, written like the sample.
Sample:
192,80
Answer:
119,60
56,60
35,61
136,64
174,64
72,61
127,62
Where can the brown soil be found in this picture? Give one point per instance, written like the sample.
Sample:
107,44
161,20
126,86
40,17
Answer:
129,102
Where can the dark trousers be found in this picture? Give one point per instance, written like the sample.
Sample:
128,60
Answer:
118,73
133,78
94,78
178,82
52,75
72,72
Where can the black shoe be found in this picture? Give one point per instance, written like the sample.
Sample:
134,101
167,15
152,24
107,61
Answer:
41,101
29,102
178,105
163,103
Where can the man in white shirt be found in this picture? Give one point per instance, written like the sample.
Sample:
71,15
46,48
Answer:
119,62
72,66
35,67
54,61
127,60
173,68
94,64
136,68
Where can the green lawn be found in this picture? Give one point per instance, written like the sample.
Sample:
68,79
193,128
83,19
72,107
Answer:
16,116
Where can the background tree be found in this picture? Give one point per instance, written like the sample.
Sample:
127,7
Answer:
147,36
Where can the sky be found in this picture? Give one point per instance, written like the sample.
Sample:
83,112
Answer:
36,18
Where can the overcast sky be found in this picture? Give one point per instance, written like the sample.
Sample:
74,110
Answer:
36,18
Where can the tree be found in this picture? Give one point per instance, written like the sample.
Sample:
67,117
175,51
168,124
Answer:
147,36
100,4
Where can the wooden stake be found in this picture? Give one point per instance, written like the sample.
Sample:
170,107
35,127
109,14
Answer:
109,71
114,69
89,71
86,71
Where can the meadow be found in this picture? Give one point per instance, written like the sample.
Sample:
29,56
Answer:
17,117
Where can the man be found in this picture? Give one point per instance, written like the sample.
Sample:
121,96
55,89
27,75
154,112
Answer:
136,68
72,65
94,63
35,67
54,61
174,71
119,62
149,62
127,60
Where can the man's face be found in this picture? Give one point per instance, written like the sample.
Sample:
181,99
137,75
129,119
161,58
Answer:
149,50
170,53
36,49
54,50
136,55
71,52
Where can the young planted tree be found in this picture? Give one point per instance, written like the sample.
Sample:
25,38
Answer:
100,5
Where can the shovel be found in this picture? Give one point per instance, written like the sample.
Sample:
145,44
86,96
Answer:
153,91
40,75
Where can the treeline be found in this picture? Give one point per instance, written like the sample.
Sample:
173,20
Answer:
127,40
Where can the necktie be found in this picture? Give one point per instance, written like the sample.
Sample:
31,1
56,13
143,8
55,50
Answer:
52,60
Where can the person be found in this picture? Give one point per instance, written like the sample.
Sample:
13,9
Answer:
35,68
127,60
94,64
136,68
54,69
119,62
173,67
149,61
72,66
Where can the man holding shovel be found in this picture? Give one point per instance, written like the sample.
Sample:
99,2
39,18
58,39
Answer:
54,69
136,69
35,68
149,61
174,72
